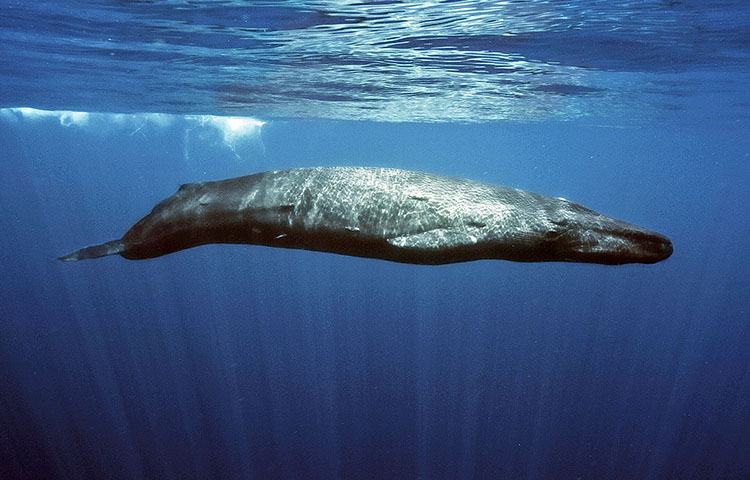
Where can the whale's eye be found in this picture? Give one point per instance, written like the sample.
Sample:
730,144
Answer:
552,235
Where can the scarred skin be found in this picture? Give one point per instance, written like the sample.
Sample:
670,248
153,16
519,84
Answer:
396,215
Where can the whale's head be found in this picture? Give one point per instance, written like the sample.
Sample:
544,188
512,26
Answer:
576,234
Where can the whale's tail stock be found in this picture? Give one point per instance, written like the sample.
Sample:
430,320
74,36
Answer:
95,251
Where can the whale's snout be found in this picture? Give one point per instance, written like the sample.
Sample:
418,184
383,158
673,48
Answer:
617,242
666,250
655,248
587,236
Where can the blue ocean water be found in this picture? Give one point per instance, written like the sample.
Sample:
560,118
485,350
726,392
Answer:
231,361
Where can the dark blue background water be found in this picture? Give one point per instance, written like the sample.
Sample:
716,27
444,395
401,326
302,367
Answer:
251,362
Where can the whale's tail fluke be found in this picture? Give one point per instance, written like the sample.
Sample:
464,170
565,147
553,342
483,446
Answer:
95,251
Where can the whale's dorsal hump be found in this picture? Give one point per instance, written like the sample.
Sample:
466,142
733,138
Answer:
189,187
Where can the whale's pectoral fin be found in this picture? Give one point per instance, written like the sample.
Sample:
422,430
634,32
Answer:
438,238
95,251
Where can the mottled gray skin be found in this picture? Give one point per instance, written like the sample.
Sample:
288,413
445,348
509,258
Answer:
396,215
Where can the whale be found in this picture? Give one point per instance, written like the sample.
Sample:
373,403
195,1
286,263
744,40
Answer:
383,213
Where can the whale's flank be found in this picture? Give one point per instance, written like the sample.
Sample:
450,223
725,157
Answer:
388,214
